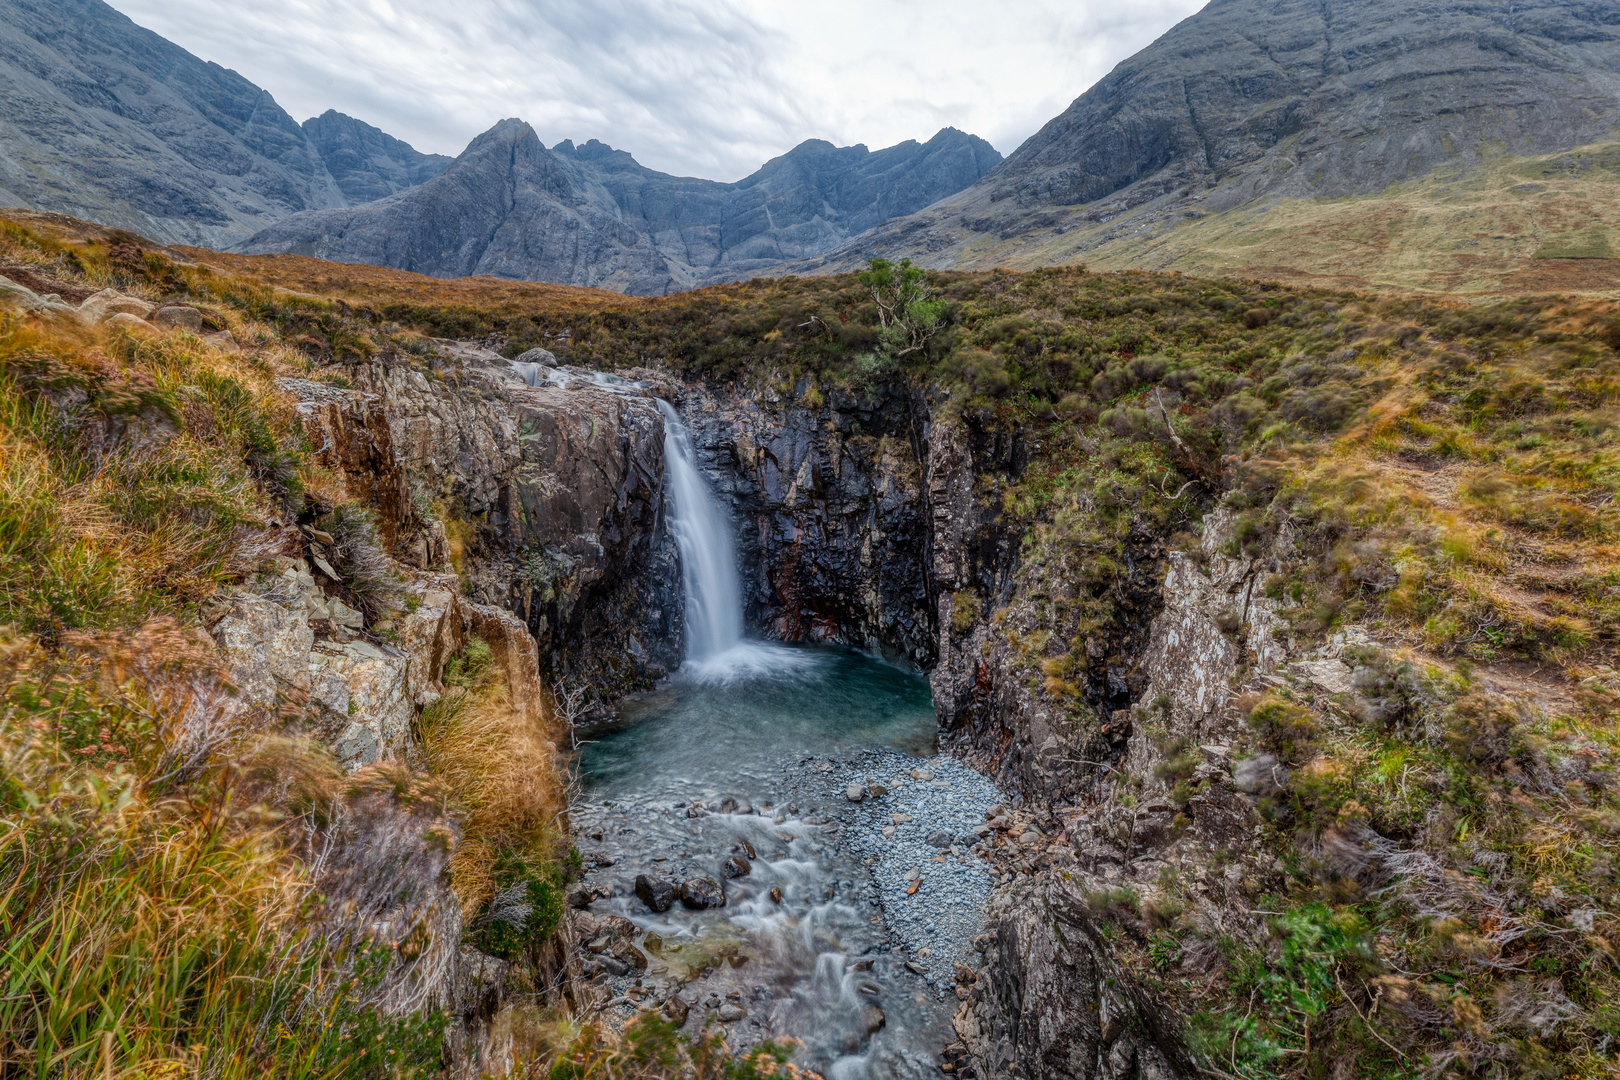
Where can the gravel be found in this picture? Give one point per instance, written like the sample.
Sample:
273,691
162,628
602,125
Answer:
937,923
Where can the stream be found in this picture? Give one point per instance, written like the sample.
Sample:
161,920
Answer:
831,882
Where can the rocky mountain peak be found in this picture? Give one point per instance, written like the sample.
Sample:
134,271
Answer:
366,162
1329,98
590,214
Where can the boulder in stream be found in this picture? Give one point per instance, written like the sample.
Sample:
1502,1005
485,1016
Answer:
656,893
701,892
736,867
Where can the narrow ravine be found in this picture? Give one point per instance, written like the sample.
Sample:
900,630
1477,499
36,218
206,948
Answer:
770,842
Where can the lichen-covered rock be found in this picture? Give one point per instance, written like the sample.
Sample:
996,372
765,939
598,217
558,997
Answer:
109,302
377,722
267,645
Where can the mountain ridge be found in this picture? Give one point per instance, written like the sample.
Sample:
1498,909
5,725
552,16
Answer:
592,215
105,120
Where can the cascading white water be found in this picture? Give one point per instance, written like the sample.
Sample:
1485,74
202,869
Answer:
709,579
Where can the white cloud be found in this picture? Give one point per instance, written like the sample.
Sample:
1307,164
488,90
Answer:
695,87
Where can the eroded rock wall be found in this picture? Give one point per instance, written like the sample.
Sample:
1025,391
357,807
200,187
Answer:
1050,999
562,484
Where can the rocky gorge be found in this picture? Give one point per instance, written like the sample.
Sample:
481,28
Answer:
1087,729
866,522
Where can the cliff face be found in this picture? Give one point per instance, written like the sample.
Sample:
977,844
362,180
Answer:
562,484
830,513
1328,99
591,215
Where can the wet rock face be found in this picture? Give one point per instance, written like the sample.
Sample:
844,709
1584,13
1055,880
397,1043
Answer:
701,892
831,518
564,482
656,893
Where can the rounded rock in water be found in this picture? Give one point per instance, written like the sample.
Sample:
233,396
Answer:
701,892
656,893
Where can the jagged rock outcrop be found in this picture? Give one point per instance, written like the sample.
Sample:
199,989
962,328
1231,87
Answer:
1049,1000
591,215
562,482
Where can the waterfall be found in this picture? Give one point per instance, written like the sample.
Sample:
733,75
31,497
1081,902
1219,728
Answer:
709,579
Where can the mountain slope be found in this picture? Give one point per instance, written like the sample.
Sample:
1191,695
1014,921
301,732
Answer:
508,207
592,215
102,119
1251,101
366,162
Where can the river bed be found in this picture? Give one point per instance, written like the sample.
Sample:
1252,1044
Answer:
751,757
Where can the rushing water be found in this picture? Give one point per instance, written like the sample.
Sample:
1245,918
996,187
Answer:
748,749
709,582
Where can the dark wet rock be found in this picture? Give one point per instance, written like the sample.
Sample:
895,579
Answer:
735,867
676,1011
627,954
614,966
701,892
579,895
727,806
656,893
776,894
872,1019
941,839
836,521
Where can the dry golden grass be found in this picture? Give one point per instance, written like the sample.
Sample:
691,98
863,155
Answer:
502,772
382,286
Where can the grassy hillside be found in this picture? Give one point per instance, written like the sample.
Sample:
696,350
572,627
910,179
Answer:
1514,226
1448,471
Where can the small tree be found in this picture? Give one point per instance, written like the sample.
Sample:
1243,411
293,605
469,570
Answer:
909,313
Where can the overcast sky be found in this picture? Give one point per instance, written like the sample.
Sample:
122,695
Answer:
709,88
